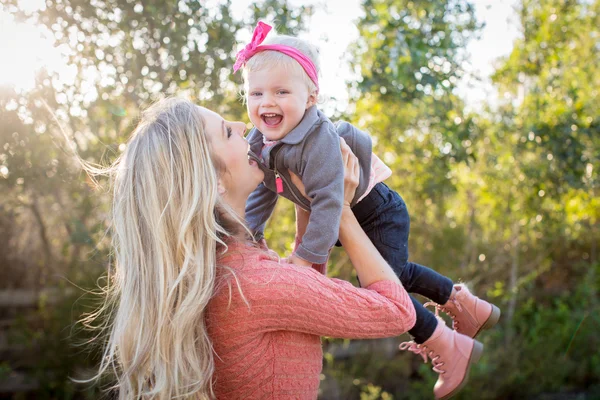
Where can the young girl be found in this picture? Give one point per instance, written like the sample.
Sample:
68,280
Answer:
291,134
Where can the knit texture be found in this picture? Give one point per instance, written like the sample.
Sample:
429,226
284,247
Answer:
270,348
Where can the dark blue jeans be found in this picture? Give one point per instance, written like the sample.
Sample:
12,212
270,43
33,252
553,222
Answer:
384,218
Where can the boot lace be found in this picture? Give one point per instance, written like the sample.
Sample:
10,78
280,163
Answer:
423,351
447,311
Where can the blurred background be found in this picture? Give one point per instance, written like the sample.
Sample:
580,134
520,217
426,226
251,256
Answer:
487,112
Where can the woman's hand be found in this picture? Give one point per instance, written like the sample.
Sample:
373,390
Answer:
351,174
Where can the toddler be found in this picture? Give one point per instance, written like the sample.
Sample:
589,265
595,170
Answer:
291,134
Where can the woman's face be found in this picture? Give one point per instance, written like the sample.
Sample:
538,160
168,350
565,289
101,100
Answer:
241,175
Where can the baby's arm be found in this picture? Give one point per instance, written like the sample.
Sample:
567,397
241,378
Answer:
323,179
302,217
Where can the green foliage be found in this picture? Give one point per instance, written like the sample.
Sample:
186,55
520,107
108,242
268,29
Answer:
556,63
550,349
506,199
412,49
286,18
549,353
54,225
60,350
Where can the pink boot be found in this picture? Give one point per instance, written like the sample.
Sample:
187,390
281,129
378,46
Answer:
470,314
451,354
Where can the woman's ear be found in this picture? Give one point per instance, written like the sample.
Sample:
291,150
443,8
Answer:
221,187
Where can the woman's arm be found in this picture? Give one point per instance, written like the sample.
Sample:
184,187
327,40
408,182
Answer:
369,264
285,297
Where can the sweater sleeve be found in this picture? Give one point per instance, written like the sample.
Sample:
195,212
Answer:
287,297
259,207
320,268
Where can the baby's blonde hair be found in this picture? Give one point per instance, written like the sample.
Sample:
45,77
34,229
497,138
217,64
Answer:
269,58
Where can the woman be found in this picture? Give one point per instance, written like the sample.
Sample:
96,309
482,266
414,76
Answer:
200,310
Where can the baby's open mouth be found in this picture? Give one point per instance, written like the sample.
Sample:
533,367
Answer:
271,119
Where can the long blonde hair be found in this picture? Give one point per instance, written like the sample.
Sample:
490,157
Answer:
168,220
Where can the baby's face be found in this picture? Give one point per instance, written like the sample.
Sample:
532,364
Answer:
277,100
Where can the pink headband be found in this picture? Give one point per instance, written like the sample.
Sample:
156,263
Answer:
259,35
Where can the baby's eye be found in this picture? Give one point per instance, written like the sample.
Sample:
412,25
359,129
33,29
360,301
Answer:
228,132
254,94
282,92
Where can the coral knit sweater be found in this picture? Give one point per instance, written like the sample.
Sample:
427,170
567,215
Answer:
270,348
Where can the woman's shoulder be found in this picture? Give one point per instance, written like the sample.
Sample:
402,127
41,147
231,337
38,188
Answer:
243,255
252,264
256,272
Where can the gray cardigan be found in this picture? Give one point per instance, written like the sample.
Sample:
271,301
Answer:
311,151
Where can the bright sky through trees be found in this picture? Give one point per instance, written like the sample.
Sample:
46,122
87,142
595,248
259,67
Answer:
25,48
332,27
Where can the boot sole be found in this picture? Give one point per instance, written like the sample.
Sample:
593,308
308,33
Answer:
475,356
491,321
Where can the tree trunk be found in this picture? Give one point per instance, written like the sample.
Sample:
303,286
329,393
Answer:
593,263
49,259
512,281
470,254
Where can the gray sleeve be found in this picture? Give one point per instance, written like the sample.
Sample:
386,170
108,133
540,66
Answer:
259,208
323,179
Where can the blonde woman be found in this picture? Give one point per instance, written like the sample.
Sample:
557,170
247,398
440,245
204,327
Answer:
200,310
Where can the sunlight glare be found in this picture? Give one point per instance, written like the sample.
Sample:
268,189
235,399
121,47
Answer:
24,50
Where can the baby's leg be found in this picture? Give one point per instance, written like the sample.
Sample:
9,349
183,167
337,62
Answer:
387,224
416,279
425,324
384,217
419,279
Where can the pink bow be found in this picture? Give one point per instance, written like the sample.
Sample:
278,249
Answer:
259,35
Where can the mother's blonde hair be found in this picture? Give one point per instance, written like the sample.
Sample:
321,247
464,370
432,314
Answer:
168,220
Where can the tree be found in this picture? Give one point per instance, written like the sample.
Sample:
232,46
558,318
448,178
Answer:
126,55
409,57
551,79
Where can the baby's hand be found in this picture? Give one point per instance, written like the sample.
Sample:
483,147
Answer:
294,259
